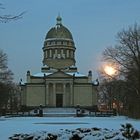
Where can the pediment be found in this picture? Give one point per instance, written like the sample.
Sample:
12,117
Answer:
59,74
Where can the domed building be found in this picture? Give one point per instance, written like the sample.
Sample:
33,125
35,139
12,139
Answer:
59,84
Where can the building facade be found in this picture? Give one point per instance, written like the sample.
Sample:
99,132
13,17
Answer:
59,84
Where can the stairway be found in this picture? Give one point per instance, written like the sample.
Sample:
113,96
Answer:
59,112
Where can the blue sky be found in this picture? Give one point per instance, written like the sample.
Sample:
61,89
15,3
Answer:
93,24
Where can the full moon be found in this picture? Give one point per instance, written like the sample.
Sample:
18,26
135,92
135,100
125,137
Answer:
109,70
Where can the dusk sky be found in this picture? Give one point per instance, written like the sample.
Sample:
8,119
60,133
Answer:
93,24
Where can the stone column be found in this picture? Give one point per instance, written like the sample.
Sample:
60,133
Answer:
64,95
62,53
71,54
71,94
50,53
47,94
56,52
54,94
46,56
67,53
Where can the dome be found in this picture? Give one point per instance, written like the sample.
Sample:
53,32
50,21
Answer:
60,31
59,47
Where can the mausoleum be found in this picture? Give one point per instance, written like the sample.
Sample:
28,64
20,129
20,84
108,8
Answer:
59,84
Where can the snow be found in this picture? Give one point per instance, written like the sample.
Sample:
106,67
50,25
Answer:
76,74
41,74
39,125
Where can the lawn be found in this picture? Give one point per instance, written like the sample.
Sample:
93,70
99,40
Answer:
37,125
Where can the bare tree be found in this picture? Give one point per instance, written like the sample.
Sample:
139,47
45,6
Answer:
9,17
5,73
126,54
6,77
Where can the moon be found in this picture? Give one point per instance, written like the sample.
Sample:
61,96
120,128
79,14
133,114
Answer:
109,70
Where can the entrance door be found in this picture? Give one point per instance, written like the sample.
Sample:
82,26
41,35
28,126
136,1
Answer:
59,100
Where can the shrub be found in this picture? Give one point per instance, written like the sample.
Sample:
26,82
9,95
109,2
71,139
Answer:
129,132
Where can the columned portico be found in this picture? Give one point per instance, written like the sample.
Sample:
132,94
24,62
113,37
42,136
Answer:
62,91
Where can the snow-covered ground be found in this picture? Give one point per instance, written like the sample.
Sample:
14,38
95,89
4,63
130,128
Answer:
16,125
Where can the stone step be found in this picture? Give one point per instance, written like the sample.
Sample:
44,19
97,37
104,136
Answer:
58,115
59,110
